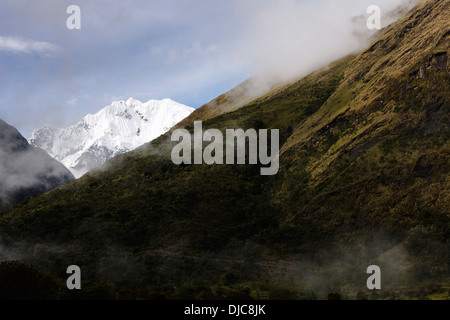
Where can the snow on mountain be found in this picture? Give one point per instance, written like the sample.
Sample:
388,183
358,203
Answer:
116,129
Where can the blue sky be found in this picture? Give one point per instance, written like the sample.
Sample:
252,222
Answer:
187,50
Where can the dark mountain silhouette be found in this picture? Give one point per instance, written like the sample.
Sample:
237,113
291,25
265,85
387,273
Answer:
25,171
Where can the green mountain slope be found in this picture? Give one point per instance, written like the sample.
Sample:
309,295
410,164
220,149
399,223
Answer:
364,179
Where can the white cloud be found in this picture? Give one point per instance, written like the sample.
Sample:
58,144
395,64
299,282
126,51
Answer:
28,46
291,38
191,53
72,101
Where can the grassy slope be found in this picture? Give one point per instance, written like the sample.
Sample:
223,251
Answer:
364,179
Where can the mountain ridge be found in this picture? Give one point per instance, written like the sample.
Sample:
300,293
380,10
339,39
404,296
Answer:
25,171
117,128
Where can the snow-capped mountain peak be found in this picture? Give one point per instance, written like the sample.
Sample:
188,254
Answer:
118,128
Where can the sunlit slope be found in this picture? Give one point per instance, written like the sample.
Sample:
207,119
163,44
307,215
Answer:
378,149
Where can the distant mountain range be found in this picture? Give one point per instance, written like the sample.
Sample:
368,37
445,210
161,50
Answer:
114,130
25,171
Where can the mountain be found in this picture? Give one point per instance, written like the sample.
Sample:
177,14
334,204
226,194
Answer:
232,100
363,180
25,171
114,130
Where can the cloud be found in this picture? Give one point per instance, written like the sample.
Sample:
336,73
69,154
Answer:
25,171
28,46
72,101
292,38
195,51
